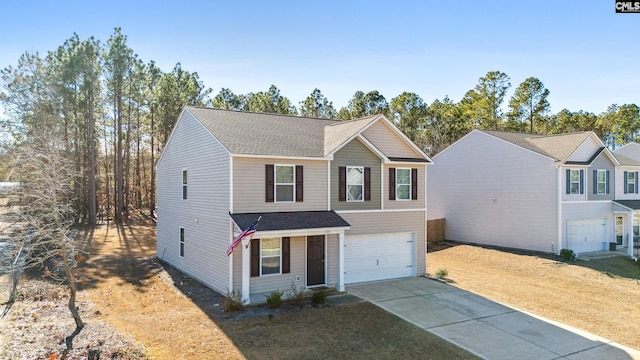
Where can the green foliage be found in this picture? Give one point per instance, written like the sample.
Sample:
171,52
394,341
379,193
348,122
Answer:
442,273
232,301
529,104
319,297
296,295
318,106
269,102
483,103
567,254
274,300
361,105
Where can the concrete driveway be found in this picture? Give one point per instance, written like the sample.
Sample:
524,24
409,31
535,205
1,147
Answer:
483,327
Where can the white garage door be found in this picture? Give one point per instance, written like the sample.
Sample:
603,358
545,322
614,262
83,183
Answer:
587,235
378,257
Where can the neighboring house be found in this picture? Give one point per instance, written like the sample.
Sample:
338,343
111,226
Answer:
627,204
341,201
535,192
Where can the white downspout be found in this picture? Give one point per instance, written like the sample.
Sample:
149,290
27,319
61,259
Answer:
341,261
559,247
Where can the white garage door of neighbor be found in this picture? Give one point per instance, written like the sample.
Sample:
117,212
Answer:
586,235
378,257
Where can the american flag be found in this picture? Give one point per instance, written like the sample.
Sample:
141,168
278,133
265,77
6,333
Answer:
248,233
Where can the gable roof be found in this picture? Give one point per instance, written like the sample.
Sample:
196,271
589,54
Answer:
263,134
295,220
628,154
558,147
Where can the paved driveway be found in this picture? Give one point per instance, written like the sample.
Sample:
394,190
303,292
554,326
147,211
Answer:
483,327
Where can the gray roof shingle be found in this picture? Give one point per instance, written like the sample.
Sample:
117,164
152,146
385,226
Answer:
290,220
558,147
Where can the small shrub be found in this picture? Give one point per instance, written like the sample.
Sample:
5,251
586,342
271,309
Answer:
319,297
442,273
567,254
233,301
296,295
274,300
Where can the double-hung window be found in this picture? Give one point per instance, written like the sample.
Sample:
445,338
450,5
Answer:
184,184
285,181
355,183
631,182
403,184
575,183
601,182
270,256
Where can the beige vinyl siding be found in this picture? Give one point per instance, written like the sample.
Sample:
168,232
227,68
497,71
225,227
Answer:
392,222
466,178
388,141
585,151
355,153
619,183
204,215
588,210
602,162
404,204
331,257
249,185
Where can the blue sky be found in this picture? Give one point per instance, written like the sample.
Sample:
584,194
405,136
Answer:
586,55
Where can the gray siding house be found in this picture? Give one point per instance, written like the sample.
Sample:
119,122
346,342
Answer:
339,201
535,192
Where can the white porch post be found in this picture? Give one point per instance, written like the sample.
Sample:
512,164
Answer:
630,235
246,269
341,261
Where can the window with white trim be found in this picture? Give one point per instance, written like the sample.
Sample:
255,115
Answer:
285,183
403,184
270,251
184,184
181,242
601,182
631,182
355,183
574,181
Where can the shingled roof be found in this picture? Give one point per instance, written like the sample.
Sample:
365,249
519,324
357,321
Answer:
264,134
558,147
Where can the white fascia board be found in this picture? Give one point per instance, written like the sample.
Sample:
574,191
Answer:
372,147
279,157
379,211
301,232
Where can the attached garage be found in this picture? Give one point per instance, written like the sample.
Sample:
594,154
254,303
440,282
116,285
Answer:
379,257
586,235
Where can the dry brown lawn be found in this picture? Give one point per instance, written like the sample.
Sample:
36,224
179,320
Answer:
175,317
600,302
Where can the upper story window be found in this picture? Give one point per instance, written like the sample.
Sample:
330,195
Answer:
630,182
184,184
355,183
283,183
575,179
403,184
601,182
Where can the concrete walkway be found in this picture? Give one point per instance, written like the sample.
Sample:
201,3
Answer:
483,327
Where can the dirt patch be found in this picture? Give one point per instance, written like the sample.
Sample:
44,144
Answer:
599,302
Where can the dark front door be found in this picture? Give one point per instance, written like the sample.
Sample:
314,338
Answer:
315,260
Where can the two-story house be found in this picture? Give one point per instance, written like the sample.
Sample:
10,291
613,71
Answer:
339,202
535,192
627,203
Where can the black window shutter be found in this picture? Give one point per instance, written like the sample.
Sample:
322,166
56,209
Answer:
286,255
342,183
581,181
255,257
635,177
269,183
607,182
299,182
367,184
414,184
392,183
568,181
626,179
595,181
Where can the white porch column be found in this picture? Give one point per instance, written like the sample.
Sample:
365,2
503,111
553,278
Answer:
341,261
246,269
630,235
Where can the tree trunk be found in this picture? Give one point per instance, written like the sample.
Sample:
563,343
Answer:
152,193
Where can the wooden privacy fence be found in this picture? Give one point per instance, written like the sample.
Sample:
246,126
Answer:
435,230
